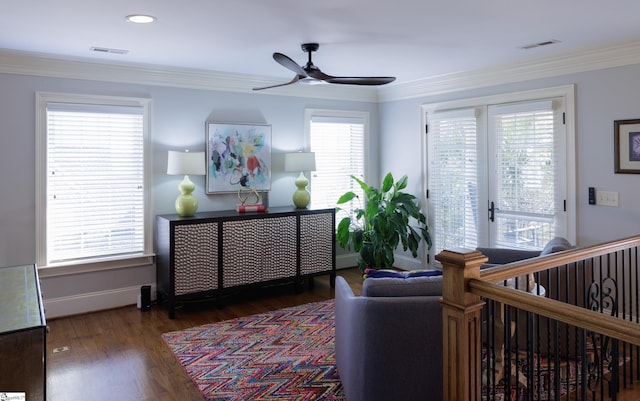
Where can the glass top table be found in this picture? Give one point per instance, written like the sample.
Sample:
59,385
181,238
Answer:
20,300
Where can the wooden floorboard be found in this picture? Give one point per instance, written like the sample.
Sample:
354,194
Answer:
119,354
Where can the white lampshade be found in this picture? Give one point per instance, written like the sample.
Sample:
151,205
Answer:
185,163
300,161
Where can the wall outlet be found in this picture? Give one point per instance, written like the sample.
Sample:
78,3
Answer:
605,198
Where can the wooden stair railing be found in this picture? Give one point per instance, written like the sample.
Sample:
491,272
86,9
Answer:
464,287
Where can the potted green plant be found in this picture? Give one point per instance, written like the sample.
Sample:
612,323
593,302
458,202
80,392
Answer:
382,223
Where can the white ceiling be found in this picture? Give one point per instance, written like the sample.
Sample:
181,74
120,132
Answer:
409,39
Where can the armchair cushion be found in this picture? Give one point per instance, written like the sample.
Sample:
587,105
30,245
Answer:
379,273
557,244
502,256
402,287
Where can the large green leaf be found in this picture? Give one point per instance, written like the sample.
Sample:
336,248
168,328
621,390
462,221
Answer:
387,183
346,197
343,234
402,183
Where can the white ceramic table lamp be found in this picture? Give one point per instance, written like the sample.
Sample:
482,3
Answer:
300,161
187,163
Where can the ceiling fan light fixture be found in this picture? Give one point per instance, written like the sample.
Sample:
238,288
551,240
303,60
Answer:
141,18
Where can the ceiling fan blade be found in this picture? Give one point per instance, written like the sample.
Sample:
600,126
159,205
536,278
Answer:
289,63
293,81
317,74
314,72
360,80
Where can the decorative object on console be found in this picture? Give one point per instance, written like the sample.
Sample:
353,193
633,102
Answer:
381,223
300,161
187,163
238,155
627,146
247,205
265,200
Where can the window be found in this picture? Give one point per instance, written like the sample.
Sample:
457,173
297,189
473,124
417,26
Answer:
92,179
338,140
500,174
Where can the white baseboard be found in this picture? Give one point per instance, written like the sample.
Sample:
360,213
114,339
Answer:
93,301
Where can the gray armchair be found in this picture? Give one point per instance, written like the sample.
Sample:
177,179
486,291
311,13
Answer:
389,340
565,283
501,256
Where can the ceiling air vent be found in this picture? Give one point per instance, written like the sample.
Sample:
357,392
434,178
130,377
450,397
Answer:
539,44
108,50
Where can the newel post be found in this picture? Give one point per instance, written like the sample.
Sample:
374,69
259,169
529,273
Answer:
461,325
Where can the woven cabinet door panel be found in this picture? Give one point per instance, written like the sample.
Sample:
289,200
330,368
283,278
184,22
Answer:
316,243
258,250
280,259
243,252
196,257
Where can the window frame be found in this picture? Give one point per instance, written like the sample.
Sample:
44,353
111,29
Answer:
95,264
567,92
328,113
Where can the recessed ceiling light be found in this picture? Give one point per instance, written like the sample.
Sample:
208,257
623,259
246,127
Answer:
141,18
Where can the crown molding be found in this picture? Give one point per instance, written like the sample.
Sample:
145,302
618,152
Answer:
37,64
591,59
46,65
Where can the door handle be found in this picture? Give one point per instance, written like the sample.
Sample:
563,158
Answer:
491,211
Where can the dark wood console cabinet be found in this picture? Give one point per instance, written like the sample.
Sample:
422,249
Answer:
23,333
202,256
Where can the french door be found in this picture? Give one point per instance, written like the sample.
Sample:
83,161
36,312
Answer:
496,175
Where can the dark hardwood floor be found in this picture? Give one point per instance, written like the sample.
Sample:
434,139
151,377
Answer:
119,354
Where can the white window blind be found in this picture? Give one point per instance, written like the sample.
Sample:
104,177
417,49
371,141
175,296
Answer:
338,143
524,167
453,179
95,182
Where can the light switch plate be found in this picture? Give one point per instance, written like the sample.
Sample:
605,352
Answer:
605,198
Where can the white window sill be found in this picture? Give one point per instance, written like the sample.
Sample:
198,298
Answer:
95,266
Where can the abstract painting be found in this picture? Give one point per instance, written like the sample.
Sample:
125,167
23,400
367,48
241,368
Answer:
238,155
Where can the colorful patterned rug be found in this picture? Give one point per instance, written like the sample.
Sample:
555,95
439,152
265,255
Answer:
286,354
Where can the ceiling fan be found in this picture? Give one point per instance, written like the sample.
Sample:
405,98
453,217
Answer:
309,72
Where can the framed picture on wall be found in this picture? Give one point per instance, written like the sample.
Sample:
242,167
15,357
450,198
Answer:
238,155
627,146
